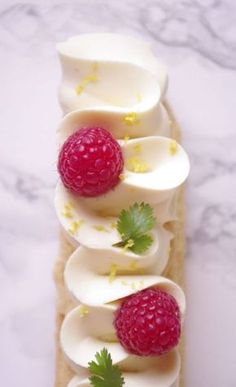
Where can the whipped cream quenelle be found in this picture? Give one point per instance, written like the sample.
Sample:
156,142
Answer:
115,82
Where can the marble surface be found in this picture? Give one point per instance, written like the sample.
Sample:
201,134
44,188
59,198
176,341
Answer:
197,41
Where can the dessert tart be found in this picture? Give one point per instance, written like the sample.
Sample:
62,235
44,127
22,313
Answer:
119,201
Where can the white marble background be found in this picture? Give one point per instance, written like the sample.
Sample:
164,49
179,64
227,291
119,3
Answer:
197,40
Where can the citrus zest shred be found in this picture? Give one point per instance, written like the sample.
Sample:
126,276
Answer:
90,78
99,227
137,165
137,148
113,272
67,210
129,244
133,286
173,147
74,226
122,176
131,119
126,138
83,311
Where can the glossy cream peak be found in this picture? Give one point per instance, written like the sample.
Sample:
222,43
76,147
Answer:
123,65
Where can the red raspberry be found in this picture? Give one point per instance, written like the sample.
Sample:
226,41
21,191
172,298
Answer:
90,162
148,323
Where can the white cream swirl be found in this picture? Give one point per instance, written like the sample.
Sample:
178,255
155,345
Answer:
115,82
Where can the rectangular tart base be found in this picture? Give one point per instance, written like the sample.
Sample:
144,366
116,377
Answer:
174,271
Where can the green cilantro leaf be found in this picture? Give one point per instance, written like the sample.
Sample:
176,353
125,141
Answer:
141,244
103,372
133,225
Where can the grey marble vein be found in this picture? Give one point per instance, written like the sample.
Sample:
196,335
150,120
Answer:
189,25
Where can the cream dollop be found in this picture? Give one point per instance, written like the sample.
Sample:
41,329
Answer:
161,371
115,272
115,82
86,330
108,69
152,173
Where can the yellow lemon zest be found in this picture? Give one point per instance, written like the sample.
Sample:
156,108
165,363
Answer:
79,89
137,148
74,226
83,311
129,244
123,282
113,272
69,206
126,138
67,210
133,286
67,213
90,78
122,176
99,227
113,225
131,118
173,147
137,165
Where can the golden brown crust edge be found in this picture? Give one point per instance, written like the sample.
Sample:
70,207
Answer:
174,271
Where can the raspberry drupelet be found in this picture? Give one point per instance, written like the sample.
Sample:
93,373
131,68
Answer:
90,162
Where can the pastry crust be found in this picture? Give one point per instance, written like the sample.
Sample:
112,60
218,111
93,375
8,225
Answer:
174,271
